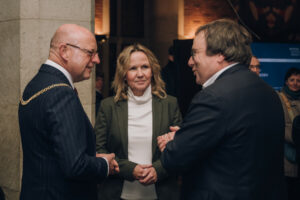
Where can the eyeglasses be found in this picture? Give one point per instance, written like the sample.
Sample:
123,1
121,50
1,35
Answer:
193,53
89,52
254,66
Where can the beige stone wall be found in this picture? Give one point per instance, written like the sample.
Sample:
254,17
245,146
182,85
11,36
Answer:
26,27
10,150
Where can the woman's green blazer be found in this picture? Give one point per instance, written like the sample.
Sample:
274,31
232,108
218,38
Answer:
112,137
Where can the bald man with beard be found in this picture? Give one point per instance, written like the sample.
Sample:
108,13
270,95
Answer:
59,156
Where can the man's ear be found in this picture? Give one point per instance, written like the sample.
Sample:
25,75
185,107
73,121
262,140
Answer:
220,58
64,51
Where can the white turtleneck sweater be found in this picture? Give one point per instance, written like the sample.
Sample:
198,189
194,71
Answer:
139,142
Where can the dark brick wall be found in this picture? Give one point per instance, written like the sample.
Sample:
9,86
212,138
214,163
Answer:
200,12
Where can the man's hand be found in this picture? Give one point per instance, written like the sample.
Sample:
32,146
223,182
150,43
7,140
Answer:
174,129
164,139
113,165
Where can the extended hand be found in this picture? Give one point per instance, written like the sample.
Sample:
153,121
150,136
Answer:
164,139
113,165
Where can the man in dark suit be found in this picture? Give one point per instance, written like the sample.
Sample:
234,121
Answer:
230,145
59,157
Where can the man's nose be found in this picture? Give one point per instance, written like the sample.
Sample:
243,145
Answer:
191,62
96,59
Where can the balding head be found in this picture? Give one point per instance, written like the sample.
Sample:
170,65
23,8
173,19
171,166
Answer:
74,48
70,33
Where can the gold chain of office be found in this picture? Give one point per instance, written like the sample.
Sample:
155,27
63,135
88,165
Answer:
41,92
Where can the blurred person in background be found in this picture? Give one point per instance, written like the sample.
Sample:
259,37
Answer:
169,73
290,98
99,86
254,65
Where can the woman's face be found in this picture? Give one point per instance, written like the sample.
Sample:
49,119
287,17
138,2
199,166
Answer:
293,82
139,73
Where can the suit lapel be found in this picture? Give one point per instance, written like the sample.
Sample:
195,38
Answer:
156,118
122,118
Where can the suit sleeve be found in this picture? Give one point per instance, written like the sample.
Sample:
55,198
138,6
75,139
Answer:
203,128
176,114
69,136
102,128
175,119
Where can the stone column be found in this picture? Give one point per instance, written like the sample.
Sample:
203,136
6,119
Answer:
26,28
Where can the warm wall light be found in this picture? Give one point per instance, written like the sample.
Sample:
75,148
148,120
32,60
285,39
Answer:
102,17
196,13
98,17
194,16
189,18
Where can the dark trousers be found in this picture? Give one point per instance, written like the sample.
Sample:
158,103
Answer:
2,196
293,188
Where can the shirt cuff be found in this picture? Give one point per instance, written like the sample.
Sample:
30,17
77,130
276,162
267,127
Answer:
107,166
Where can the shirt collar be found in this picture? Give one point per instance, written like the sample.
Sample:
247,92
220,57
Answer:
61,69
213,78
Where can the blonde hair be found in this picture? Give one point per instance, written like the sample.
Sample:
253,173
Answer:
119,84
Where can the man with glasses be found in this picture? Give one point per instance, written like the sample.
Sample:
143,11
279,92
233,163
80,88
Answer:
59,157
254,65
230,144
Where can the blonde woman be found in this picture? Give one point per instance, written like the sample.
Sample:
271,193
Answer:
128,125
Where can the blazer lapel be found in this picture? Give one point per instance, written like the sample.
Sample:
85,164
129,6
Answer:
122,118
156,118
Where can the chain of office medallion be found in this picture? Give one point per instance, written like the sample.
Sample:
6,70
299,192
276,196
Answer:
41,92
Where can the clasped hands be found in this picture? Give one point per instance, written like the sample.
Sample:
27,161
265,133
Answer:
145,174
165,138
113,165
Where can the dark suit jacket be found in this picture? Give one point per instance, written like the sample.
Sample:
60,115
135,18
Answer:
112,136
230,145
58,143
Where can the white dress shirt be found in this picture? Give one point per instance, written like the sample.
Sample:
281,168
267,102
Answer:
63,70
214,77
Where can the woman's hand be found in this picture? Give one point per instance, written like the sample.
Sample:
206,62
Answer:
140,171
150,178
